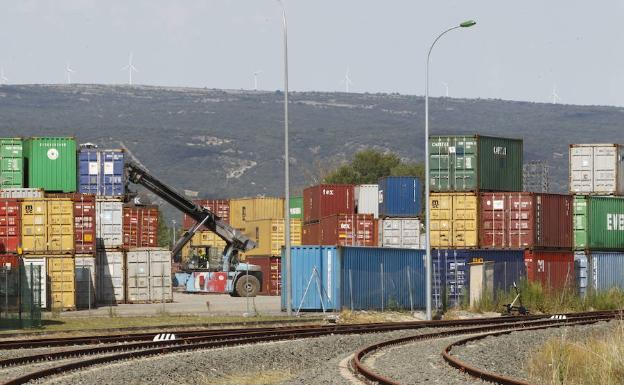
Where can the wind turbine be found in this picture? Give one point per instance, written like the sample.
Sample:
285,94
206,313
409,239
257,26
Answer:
3,79
347,80
68,72
256,73
555,96
446,87
129,67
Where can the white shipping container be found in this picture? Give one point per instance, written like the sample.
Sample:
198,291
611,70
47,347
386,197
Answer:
86,281
39,266
110,277
109,223
149,275
596,169
21,193
401,233
367,199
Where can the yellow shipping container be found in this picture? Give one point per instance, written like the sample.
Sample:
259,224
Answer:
243,210
47,225
269,236
61,272
200,240
454,220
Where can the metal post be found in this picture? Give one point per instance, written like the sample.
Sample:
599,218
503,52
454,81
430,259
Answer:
247,283
382,288
409,286
351,289
88,284
162,286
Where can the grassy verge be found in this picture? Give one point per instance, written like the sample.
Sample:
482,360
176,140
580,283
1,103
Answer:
596,360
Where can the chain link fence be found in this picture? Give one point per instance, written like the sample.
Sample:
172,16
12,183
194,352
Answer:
20,296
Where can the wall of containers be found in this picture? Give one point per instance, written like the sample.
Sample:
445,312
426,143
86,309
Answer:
63,211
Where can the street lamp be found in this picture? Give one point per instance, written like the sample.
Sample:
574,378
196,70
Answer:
465,24
174,233
286,170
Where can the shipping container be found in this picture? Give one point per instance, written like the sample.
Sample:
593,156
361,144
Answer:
323,200
62,275
553,269
110,277
382,278
400,196
454,220
400,233
451,272
140,226
581,271
269,236
47,226
51,163
296,208
349,230
525,220
311,234
204,243
475,163
9,261
251,209
315,279
271,273
220,207
22,193
367,199
84,221
11,163
148,273
37,265
86,281
598,223
10,225
109,223
606,270
101,172
596,169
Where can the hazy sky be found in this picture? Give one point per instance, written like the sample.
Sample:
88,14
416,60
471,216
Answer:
519,50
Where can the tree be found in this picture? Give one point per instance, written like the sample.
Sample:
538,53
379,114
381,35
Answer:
369,165
164,232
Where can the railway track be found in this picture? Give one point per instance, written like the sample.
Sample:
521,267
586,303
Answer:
479,332
131,346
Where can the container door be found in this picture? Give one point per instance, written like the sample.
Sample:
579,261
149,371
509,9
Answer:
441,220
605,162
521,221
581,169
138,278
580,223
85,282
160,276
464,225
37,278
440,170
62,284
410,233
464,164
494,227
34,226
110,277
60,226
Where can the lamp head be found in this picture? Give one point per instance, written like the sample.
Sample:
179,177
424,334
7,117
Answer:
468,23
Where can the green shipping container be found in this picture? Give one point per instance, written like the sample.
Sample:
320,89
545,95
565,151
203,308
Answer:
296,208
598,223
51,163
475,163
11,163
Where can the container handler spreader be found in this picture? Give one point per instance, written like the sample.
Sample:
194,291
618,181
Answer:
236,278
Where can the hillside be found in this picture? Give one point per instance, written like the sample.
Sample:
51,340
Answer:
230,143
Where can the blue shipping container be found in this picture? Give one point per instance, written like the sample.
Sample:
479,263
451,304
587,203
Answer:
581,272
607,270
451,272
315,278
101,172
375,278
400,196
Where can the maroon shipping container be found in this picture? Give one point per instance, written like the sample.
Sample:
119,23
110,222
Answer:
323,200
221,207
140,226
525,220
10,225
349,230
271,274
84,221
553,269
311,234
9,261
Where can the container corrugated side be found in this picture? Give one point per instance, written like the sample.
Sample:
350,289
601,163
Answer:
269,236
454,220
349,230
220,207
34,226
271,273
140,226
323,200
605,220
111,277
607,270
62,275
296,208
315,265
11,163
148,272
553,269
250,209
382,278
22,193
581,271
400,233
101,172
500,163
109,223
86,281
39,265
596,169
51,163
311,234
367,199
60,225
399,196
10,225
580,224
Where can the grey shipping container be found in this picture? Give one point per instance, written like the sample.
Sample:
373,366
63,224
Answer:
148,273
401,233
596,169
581,272
86,281
366,199
39,267
21,193
109,223
606,270
110,277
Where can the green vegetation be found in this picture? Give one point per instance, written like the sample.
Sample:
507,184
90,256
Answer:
598,359
369,165
164,231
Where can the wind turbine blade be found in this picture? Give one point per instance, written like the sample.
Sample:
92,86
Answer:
124,68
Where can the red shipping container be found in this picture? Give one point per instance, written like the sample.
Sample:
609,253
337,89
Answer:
323,200
9,261
349,230
525,220
10,225
311,234
84,221
553,269
140,226
221,207
271,274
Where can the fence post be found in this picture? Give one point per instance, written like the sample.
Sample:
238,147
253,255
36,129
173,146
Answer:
382,288
351,289
409,286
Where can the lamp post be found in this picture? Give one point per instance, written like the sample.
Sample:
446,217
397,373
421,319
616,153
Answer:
174,232
286,169
465,24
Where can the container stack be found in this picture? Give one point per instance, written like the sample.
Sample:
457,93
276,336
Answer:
597,182
399,207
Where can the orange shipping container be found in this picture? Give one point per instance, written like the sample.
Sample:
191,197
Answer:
349,230
140,226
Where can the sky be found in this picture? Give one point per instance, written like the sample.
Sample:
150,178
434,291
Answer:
519,50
